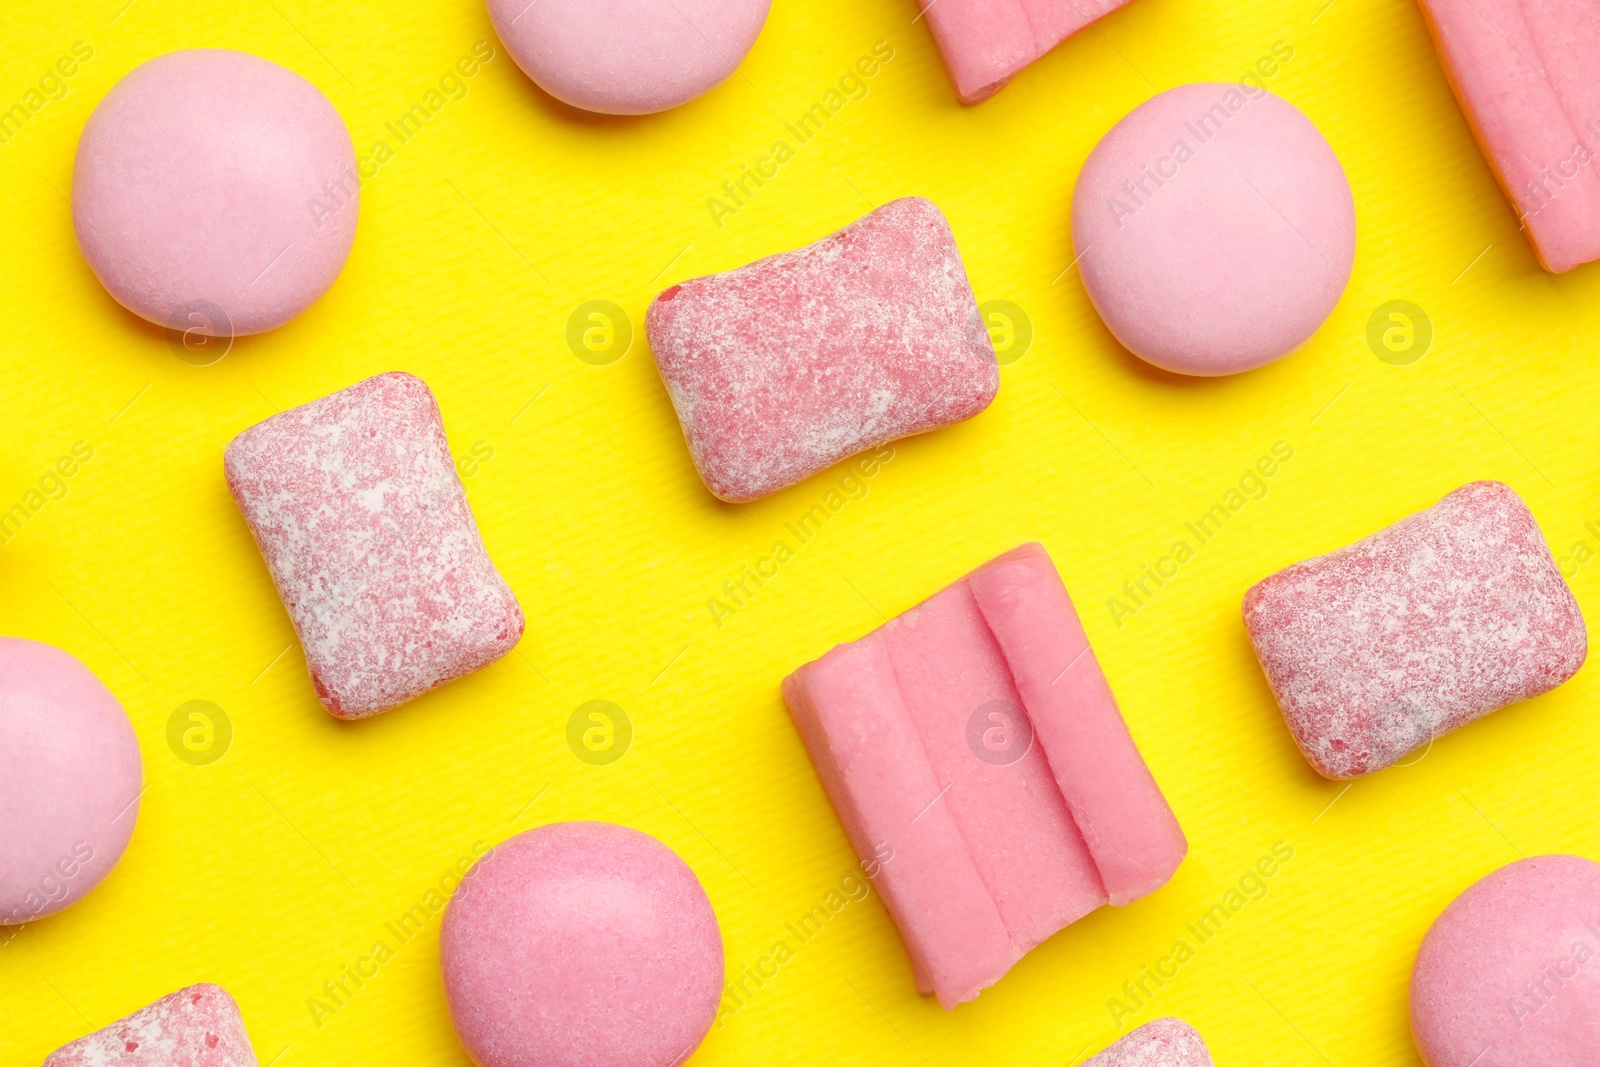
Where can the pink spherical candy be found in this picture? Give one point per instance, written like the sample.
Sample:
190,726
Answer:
199,1026
984,43
787,365
1506,975
581,944
355,504
1376,649
1214,229
215,191
628,57
70,778
1163,1043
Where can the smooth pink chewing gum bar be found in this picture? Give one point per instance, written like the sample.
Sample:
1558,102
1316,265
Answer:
788,365
199,1026
355,504
1526,75
985,43
1163,1043
1376,649
974,739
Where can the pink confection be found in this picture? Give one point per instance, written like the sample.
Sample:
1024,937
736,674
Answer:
215,191
1376,649
783,367
355,504
1163,1043
1214,228
974,739
1506,976
581,944
195,1027
70,778
1524,73
986,42
628,57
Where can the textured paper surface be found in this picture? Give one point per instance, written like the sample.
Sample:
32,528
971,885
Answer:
274,868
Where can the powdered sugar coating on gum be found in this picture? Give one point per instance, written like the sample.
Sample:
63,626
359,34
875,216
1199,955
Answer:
356,506
1162,1043
1376,649
785,366
199,1026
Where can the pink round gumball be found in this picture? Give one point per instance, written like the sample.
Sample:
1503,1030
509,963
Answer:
581,944
216,192
1214,229
1509,973
70,777
628,57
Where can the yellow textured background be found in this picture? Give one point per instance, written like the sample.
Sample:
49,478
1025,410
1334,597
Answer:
273,868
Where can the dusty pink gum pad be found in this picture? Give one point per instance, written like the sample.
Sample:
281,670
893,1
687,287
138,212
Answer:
70,779
199,1026
581,944
1162,1043
1525,74
194,182
1506,975
984,43
785,366
1376,649
974,741
628,57
1214,228
355,504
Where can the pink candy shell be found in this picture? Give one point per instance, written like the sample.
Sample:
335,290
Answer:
70,775
581,944
628,57
1162,1043
1509,974
1215,229
195,189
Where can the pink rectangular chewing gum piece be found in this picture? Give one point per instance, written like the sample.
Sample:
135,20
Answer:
1162,1043
1376,649
199,1026
984,683
1526,75
783,367
984,43
355,504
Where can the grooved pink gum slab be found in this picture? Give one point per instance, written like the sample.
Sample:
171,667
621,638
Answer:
1162,1043
1525,75
199,1026
1506,974
939,741
355,504
194,181
984,43
788,365
70,777
1376,649
628,57
1214,228
581,944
